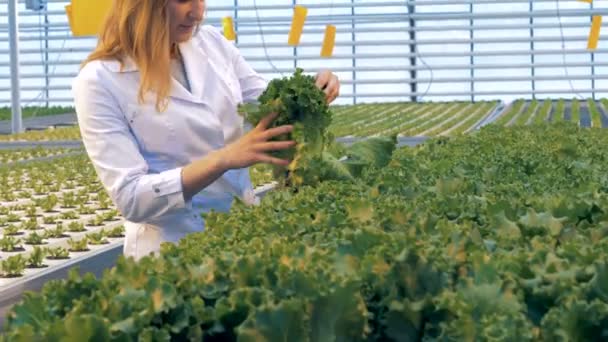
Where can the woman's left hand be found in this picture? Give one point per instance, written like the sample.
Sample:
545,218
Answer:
329,83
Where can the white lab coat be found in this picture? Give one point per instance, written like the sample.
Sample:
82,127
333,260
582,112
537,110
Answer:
139,153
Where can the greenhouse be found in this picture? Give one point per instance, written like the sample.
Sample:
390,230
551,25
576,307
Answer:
290,170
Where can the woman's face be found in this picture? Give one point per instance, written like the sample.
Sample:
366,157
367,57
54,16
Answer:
184,16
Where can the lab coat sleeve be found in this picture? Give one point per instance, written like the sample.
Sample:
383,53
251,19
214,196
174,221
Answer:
113,150
252,83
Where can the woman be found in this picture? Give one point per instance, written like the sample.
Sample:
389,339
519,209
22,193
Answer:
156,104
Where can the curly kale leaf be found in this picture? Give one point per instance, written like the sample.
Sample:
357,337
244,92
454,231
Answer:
316,158
299,102
372,152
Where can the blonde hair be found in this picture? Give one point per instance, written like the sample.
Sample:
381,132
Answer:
139,29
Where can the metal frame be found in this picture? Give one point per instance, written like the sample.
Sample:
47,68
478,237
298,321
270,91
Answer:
13,23
532,59
390,17
411,9
366,55
472,58
235,14
295,49
253,30
354,50
592,61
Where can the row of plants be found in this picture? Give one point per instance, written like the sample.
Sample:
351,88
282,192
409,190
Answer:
423,125
34,111
404,118
41,178
536,111
473,121
409,119
463,121
50,134
499,235
366,118
13,235
532,112
80,198
575,113
24,154
17,222
595,113
14,266
71,178
51,208
54,223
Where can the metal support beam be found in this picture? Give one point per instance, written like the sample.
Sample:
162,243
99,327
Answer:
16,123
472,58
295,48
236,18
354,52
411,9
593,66
46,56
252,29
532,59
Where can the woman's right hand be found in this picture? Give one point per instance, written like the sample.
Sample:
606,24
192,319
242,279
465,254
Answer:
252,147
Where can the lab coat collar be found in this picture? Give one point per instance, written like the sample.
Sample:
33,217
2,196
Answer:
196,63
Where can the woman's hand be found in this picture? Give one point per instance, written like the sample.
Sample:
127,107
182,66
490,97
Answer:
329,83
251,148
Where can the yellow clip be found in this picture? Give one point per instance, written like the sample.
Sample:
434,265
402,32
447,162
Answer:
297,25
594,34
329,41
587,1
228,25
68,12
88,16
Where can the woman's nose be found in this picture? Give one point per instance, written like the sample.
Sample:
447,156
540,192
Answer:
196,12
